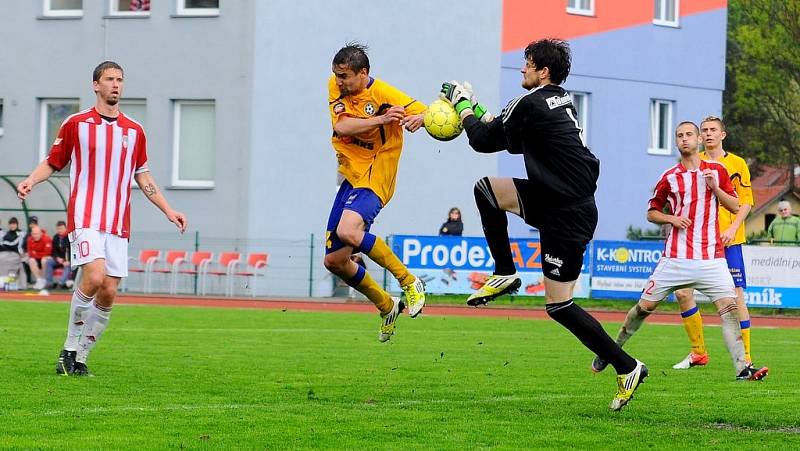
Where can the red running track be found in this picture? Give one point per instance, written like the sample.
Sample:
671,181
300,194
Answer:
344,305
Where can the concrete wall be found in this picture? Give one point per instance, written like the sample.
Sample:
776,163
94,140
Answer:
165,58
622,70
413,47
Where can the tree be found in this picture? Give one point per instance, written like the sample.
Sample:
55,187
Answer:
762,95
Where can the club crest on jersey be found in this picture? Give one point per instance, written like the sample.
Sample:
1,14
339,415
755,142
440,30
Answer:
124,141
338,108
369,108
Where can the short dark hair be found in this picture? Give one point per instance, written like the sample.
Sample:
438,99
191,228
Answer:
353,55
553,54
61,223
13,220
711,118
696,128
105,65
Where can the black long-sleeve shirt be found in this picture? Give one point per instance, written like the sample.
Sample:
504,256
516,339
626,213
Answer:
455,228
541,124
11,240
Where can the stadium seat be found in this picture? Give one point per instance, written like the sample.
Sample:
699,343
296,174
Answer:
225,266
199,264
170,267
144,265
256,267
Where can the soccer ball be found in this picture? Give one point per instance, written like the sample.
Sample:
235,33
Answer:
441,121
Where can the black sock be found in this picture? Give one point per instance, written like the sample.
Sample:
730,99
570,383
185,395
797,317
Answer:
591,334
495,228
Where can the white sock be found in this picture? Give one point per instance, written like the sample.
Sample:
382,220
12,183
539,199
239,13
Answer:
732,335
96,323
77,314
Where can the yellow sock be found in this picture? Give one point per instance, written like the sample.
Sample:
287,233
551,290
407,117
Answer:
380,253
376,294
693,323
746,339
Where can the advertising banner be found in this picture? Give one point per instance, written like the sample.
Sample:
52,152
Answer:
621,268
459,265
773,276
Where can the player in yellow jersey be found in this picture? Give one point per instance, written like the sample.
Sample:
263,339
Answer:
732,233
368,116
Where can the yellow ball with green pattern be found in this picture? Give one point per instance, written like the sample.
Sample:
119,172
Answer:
441,121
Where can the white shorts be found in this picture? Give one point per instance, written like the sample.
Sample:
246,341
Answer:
88,245
710,277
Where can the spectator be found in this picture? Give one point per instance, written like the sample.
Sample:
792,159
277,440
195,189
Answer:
10,251
59,258
785,229
40,246
32,221
453,226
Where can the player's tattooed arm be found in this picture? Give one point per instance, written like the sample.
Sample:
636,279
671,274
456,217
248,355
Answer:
150,190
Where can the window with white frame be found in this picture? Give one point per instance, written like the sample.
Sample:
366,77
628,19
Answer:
582,7
129,8
1,117
52,114
198,7
193,144
666,12
580,100
63,8
660,127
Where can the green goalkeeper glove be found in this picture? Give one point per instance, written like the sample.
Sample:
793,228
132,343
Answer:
462,97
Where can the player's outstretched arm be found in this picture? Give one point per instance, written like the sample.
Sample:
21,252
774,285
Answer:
150,189
413,122
350,126
485,132
40,174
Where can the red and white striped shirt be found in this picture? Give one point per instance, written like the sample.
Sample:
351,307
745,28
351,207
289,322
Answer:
105,156
688,195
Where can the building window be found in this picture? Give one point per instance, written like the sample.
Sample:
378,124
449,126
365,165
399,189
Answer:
193,144
582,7
52,114
128,8
63,8
1,117
666,12
660,127
135,109
580,100
198,7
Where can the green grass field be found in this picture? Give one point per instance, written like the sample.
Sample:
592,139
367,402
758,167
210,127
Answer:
258,379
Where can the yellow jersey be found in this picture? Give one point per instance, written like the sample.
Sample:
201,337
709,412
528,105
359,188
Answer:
370,159
740,178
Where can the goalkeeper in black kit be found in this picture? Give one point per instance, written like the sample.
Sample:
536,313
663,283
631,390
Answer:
557,197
